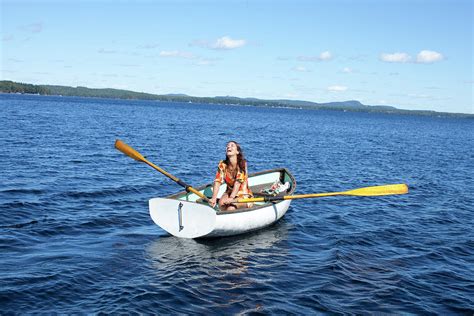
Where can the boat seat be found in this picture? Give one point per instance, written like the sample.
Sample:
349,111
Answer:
258,188
207,193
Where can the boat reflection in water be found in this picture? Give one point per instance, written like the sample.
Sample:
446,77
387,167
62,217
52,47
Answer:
226,273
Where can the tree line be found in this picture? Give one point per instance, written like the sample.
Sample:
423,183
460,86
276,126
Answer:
17,87
354,106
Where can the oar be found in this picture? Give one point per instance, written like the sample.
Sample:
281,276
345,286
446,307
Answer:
367,191
132,153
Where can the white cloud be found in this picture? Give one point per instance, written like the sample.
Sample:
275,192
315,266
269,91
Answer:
336,88
225,43
423,57
106,51
324,56
148,46
301,69
33,27
395,57
428,57
176,53
347,70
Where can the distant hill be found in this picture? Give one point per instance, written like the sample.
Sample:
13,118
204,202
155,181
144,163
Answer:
98,93
15,87
351,105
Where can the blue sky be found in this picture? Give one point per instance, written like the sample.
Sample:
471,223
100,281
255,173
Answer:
409,54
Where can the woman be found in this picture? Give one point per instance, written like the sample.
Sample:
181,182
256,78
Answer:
232,171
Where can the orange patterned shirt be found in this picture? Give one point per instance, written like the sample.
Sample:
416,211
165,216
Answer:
222,175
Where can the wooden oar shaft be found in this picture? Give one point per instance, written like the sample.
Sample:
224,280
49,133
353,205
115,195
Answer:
132,153
177,180
367,191
169,175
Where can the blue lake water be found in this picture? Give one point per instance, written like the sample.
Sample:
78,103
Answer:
76,237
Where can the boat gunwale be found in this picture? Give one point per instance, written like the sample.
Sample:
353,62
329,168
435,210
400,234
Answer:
248,209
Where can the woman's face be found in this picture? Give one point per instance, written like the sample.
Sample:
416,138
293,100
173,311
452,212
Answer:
231,149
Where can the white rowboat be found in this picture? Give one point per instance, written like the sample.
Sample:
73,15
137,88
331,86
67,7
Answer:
185,215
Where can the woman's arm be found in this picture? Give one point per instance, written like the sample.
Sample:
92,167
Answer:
215,191
218,179
235,191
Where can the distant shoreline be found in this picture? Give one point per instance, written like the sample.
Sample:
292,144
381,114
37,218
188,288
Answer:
10,87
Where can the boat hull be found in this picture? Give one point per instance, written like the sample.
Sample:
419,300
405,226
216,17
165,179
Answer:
184,215
234,223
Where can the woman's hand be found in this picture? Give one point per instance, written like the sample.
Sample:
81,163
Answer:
212,202
227,200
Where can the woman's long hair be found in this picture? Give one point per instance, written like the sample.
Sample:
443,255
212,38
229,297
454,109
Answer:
241,162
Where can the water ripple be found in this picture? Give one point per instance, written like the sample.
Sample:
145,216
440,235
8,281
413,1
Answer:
76,237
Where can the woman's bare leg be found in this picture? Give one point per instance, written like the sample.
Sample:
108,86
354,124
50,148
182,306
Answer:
230,207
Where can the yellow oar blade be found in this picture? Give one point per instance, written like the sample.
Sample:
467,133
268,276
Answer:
129,151
380,190
389,189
